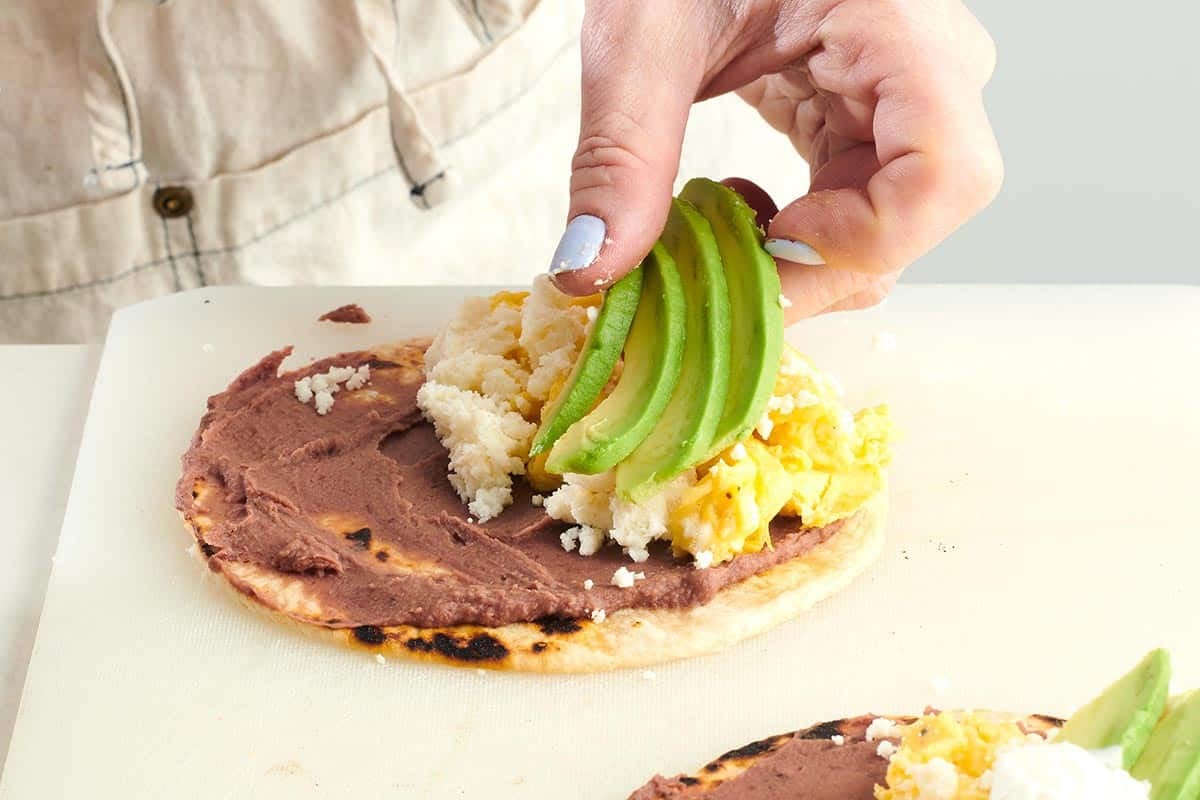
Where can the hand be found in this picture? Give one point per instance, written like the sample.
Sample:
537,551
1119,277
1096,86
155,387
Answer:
881,97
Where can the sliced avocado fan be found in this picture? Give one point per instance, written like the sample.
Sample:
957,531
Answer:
596,361
756,334
684,433
1171,758
653,358
1125,714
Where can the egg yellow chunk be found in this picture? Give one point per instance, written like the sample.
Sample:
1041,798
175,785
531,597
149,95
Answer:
730,507
947,755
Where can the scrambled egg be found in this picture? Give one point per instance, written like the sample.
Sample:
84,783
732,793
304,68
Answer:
509,354
809,457
948,756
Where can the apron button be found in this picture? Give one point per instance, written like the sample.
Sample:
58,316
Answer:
173,201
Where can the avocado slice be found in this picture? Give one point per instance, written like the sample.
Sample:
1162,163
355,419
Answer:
596,361
653,358
1171,759
684,432
756,333
1124,714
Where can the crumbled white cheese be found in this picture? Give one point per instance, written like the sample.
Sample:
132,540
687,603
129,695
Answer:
599,615
588,584
598,282
537,500
638,554
321,387
590,540
487,444
881,728
1063,772
592,313
886,750
765,426
570,538
704,559
784,302
884,341
838,739
624,579
360,378
936,779
379,658
738,452
323,401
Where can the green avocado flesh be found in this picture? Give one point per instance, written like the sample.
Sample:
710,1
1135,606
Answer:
684,433
596,361
1171,759
653,358
756,331
1125,714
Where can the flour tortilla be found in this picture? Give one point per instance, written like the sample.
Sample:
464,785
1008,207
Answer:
627,638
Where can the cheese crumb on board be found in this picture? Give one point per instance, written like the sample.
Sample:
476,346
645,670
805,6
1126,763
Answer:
624,579
599,615
379,658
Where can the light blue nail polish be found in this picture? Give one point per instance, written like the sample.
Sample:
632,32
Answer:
796,252
579,245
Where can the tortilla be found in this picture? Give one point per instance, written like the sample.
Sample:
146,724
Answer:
630,637
782,763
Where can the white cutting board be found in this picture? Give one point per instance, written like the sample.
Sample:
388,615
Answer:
1043,535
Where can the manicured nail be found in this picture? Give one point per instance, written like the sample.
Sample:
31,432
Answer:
579,245
796,252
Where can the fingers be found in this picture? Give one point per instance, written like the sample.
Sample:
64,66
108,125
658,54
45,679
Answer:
815,290
641,71
933,162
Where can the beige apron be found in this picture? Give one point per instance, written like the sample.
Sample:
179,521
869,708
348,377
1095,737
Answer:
152,146
149,147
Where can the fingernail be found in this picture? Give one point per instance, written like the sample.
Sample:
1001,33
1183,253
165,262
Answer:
796,252
579,245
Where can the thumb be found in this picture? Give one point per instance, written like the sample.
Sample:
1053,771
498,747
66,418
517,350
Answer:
638,86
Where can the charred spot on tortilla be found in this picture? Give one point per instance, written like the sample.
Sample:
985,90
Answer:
381,555
555,624
480,647
753,749
382,363
826,730
539,647
360,537
208,550
372,635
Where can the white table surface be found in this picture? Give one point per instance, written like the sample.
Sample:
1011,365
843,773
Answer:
1054,365
40,428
